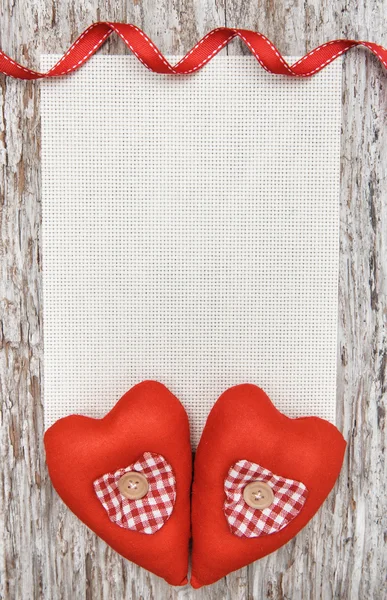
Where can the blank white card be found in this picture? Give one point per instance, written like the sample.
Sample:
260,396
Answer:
190,235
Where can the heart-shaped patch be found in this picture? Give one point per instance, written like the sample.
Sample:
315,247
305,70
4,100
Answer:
259,477
258,502
140,497
134,463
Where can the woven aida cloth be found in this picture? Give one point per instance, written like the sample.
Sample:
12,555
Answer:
190,235
150,513
244,521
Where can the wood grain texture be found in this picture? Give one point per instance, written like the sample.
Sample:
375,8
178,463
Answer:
47,553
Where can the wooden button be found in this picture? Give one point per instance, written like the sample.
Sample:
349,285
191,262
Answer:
133,485
258,494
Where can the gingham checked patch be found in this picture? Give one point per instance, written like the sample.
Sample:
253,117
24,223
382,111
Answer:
150,513
289,498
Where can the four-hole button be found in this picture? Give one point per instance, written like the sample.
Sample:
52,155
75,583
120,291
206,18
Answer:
258,494
133,485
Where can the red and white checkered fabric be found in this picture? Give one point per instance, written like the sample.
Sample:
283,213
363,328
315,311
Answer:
244,521
150,513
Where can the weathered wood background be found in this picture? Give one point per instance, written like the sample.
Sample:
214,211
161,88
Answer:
46,553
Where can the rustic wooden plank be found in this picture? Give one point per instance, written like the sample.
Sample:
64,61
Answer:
47,553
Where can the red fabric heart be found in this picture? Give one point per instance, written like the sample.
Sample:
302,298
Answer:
244,425
79,450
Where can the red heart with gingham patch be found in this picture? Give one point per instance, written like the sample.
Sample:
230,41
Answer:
146,433
247,441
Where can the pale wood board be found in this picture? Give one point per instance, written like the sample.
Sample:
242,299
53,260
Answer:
45,552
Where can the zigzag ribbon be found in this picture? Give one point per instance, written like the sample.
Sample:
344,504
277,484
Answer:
145,50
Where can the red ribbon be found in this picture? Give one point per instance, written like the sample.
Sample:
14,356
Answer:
145,50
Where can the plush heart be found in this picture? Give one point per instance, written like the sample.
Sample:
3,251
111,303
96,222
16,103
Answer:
245,440
85,456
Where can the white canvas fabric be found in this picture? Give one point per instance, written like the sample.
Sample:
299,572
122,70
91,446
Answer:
190,235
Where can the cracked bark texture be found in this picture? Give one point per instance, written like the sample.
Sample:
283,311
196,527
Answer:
45,552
